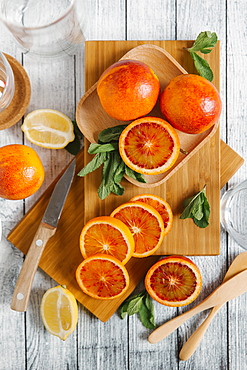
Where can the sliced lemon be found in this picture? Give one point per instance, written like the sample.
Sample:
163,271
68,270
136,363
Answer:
59,311
48,128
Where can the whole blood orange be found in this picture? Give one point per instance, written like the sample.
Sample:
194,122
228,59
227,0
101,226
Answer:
145,224
21,171
160,205
128,89
107,235
190,103
102,277
149,145
174,281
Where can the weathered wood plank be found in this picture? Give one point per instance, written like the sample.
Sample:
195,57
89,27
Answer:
102,345
117,344
12,333
237,139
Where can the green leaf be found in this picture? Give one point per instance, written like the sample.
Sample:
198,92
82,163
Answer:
117,188
189,205
120,170
101,148
107,153
95,163
124,308
111,134
146,312
202,66
134,175
75,146
142,305
204,41
197,208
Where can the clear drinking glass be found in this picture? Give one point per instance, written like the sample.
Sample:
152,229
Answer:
234,213
45,27
7,83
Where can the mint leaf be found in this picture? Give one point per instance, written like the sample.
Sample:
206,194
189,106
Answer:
134,175
197,208
75,146
102,148
111,134
95,163
112,174
146,312
202,67
204,221
204,41
142,305
107,154
127,306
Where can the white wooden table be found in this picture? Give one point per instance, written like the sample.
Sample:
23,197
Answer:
122,344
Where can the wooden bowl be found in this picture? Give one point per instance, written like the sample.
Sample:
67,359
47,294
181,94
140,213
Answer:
91,117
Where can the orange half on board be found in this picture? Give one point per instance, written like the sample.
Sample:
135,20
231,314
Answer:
102,277
149,145
160,205
145,224
107,235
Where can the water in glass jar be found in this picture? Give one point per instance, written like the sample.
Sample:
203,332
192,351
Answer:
234,213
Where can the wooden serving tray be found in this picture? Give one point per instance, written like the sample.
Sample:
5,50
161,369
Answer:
62,255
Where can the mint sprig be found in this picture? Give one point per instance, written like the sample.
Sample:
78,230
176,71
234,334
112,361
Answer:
107,154
204,43
75,146
197,207
142,305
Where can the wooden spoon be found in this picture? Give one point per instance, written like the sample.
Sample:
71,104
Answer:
239,264
225,292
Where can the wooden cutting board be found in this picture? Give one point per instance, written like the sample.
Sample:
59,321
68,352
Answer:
62,256
202,168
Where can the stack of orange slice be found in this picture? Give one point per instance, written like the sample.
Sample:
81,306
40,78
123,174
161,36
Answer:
107,243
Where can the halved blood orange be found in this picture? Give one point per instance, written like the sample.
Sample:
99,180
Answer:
160,205
106,235
102,277
174,281
145,224
149,145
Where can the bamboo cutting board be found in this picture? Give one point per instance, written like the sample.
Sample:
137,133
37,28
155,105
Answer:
202,168
62,256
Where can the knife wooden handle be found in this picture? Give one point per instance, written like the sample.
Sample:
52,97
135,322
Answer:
24,282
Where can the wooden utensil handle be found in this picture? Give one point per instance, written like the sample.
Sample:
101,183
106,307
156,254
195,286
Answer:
232,288
24,282
194,340
164,330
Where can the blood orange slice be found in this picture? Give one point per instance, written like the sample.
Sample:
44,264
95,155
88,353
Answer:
145,224
160,205
149,145
102,277
174,281
106,235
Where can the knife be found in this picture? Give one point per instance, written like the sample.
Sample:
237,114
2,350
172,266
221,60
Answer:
46,230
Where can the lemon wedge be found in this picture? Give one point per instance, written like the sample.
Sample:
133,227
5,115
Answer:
48,128
59,311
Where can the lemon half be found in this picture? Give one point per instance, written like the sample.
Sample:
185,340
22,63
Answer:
59,311
48,128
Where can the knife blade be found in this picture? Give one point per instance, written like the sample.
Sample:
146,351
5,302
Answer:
45,231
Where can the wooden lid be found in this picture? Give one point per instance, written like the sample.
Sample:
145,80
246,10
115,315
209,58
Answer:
19,104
